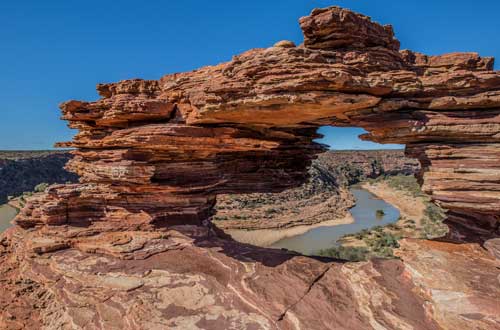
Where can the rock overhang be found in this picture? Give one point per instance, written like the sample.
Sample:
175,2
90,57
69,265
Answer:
168,147
119,250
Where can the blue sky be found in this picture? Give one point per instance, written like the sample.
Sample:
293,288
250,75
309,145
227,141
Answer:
52,51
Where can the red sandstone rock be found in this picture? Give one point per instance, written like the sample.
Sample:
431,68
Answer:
151,280
253,117
332,28
152,155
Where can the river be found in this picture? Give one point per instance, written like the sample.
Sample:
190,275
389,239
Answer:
7,213
365,217
310,242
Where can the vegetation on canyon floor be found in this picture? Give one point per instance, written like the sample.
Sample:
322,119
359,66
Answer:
323,197
381,241
332,173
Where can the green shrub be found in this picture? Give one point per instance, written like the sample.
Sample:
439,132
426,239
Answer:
432,222
346,253
393,226
41,187
385,240
405,183
385,252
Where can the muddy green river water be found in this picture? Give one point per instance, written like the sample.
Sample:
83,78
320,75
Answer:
365,217
7,213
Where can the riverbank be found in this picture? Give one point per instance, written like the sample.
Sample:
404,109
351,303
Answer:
7,214
309,205
16,203
325,196
410,206
267,237
419,218
9,211
311,239
364,215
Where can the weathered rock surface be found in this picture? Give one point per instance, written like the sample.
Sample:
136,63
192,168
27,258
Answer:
158,152
193,280
130,246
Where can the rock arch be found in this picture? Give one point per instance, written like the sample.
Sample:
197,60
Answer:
117,251
157,152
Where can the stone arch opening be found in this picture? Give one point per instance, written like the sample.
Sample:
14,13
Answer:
155,153
152,156
347,138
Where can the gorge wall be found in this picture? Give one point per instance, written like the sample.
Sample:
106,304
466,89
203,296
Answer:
22,171
131,245
324,197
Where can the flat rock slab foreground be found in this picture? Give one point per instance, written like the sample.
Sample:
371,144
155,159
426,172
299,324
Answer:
139,280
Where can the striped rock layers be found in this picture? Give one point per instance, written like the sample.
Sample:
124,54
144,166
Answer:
119,250
154,153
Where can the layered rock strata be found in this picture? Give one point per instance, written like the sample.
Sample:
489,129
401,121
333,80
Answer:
119,249
158,152
320,199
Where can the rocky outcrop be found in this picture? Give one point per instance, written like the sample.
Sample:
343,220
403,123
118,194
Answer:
130,246
192,280
158,152
353,166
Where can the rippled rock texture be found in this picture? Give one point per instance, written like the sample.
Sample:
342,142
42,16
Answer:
131,245
189,279
158,152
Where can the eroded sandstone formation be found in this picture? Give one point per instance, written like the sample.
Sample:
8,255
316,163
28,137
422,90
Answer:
158,152
119,249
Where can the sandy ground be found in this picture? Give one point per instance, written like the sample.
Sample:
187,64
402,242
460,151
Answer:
409,206
7,214
15,203
267,237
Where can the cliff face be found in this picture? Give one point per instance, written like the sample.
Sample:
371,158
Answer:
321,198
119,249
350,167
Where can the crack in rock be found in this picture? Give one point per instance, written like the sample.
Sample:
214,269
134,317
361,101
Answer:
316,280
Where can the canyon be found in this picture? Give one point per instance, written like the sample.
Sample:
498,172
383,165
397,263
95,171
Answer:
132,245
323,197
22,171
